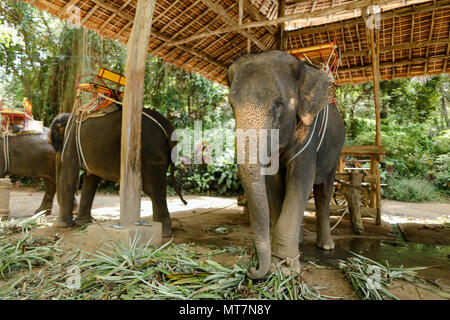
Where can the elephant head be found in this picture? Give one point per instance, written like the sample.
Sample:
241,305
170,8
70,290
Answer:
272,90
56,132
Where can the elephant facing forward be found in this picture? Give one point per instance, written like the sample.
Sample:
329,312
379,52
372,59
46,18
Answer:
272,90
100,141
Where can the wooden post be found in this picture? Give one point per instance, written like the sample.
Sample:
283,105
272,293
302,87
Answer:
374,52
241,11
353,194
341,164
373,185
130,165
281,35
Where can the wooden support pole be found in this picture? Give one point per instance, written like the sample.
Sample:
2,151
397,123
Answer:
378,191
281,33
374,53
353,196
241,11
130,165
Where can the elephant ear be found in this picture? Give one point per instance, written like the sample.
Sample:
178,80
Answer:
313,90
56,132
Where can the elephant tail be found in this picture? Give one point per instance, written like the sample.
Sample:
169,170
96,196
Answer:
168,129
176,186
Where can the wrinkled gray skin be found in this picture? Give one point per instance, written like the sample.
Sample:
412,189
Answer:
274,90
31,156
100,140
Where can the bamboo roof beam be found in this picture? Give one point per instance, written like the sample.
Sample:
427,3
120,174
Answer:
397,63
251,10
411,40
384,15
444,68
165,11
89,14
43,3
241,12
66,7
159,35
107,21
239,28
212,22
281,28
295,2
403,46
118,34
183,12
429,38
221,12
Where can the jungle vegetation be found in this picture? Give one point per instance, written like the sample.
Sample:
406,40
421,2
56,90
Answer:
42,56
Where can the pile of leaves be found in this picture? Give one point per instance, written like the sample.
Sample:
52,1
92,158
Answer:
12,226
145,272
35,268
371,279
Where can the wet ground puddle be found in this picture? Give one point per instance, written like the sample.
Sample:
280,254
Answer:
397,253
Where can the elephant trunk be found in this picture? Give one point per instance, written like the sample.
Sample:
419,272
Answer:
255,190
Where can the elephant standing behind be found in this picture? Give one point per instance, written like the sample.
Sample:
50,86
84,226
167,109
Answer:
31,156
100,140
272,90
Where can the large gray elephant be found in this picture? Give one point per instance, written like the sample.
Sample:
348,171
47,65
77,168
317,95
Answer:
99,156
31,156
272,90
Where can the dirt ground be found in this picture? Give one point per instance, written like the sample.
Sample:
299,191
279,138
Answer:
217,222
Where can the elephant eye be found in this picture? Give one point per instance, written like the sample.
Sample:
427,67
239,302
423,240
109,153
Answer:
277,104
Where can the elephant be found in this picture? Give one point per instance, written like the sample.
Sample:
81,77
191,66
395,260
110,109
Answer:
273,90
100,144
31,156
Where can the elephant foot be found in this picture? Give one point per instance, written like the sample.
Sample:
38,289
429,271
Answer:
59,223
81,221
287,265
325,243
166,226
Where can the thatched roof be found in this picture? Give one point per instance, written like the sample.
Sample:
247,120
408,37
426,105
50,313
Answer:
204,36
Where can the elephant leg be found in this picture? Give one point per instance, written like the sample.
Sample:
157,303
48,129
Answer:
155,186
47,201
88,190
322,197
299,183
276,186
68,172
